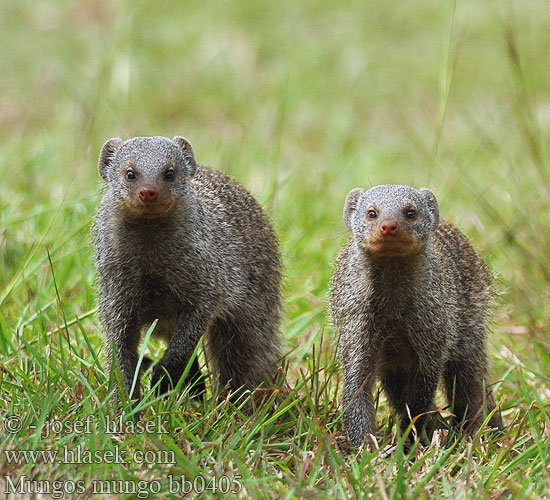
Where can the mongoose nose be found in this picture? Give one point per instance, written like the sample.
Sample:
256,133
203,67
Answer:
148,194
388,228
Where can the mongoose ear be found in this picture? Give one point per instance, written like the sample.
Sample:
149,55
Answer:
187,151
106,155
433,207
351,205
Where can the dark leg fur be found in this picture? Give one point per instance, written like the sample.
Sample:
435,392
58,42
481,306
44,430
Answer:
416,397
194,376
243,354
146,363
190,327
469,395
127,359
359,418
358,363
396,387
122,343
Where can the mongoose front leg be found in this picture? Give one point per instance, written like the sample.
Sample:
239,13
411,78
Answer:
359,419
191,325
122,336
358,366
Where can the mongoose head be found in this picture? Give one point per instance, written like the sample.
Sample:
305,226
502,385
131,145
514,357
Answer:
147,176
391,220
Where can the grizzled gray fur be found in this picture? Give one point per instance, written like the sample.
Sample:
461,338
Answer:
190,246
410,299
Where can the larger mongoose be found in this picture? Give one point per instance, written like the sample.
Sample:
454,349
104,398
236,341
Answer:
190,246
410,299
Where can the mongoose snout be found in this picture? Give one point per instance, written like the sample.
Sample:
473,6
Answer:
389,228
148,194
391,239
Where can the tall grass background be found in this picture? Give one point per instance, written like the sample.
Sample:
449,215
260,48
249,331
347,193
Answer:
300,102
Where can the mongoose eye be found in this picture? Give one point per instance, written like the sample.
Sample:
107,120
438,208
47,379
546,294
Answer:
130,175
169,175
411,214
371,214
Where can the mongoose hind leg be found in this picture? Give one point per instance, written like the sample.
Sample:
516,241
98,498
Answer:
243,354
469,395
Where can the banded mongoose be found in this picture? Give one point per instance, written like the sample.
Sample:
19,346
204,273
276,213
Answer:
410,299
190,246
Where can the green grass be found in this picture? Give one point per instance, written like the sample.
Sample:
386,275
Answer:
301,102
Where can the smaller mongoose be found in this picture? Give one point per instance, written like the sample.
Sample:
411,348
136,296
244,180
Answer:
410,300
189,246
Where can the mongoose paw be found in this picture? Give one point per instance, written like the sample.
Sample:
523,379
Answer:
146,363
170,378
167,379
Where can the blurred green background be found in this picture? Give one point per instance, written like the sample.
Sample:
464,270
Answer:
300,102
